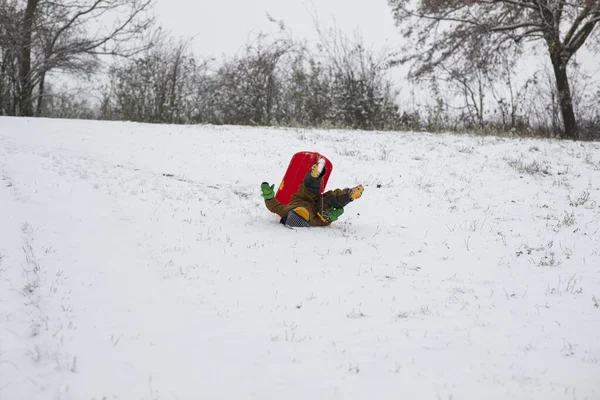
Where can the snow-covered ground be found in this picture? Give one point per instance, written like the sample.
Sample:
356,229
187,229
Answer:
139,262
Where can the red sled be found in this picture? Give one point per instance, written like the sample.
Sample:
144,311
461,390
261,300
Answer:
299,166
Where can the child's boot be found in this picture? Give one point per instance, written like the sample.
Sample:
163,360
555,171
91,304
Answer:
318,168
356,192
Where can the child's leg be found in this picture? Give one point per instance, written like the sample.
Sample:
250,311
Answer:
340,198
312,185
314,177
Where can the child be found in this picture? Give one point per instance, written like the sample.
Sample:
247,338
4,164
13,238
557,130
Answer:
308,207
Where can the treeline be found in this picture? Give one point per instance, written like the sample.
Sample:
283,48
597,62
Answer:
340,84
271,83
274,81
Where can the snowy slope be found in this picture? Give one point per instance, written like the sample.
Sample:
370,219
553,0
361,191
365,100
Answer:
139,262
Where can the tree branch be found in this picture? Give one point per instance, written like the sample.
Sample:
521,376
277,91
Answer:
582,15
515,26
520,4
72,21
558,14
580,37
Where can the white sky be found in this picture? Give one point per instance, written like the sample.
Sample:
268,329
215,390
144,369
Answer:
223,27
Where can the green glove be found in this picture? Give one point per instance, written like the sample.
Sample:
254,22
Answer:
267,191
334,214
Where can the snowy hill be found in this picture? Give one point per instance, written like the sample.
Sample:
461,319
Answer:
139,262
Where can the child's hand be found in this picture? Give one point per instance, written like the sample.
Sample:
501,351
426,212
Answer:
334,214
267,191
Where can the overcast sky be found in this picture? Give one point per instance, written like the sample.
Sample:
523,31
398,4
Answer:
223,26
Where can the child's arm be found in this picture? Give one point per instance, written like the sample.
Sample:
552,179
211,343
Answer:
271,202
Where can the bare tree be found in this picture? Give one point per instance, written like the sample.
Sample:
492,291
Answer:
249,88
482,30
70,35
508,94
471,88
156,86
306,91
9,80
362,93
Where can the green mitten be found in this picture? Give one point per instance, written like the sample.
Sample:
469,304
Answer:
267,191
334,213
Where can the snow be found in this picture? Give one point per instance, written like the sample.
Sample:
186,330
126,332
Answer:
139,262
